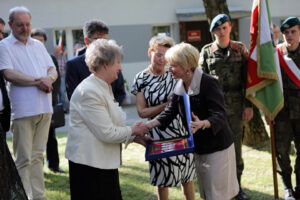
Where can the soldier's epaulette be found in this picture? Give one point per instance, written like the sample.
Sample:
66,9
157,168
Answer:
213,47
282,49
235,45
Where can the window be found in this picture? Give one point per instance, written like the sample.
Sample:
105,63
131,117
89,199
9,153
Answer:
78,38
161,30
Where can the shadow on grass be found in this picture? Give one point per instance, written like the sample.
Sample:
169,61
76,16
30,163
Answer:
263,146
255,195
135,168
266,146
57,182
135,186
130,192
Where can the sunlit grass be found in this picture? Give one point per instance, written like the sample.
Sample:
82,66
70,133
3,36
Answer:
257,179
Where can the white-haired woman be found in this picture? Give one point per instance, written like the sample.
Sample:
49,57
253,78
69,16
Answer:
97,127
153,87
214,148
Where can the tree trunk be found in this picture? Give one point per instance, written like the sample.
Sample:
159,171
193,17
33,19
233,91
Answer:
215,7
11,187
255,131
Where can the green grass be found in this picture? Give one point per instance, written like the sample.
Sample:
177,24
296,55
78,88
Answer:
257,179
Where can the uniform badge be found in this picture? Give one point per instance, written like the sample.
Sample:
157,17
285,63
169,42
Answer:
286,26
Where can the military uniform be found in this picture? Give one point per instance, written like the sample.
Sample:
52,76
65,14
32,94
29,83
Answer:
287,123
229,66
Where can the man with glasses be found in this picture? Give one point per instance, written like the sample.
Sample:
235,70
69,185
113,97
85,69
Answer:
27,66
77,69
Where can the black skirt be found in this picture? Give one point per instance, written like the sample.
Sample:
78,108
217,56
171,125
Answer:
93,183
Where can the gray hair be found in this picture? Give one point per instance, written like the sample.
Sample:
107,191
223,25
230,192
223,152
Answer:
39,32
164,41
17,9
102,52
94,26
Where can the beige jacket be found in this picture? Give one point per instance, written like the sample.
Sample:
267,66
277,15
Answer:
97,126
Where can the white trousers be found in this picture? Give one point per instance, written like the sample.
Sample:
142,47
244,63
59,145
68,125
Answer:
30,136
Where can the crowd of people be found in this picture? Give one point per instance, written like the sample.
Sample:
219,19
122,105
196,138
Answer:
214,79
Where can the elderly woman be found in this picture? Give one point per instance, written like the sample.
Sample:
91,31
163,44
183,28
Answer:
97,127
153,87
214,148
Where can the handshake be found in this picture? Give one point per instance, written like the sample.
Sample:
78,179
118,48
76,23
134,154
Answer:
139,130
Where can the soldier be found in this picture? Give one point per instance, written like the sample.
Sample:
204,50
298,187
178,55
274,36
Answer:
287,122
227,61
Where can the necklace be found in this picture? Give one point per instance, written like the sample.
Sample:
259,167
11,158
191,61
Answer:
154,73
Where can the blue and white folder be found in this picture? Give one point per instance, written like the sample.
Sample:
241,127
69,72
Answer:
174,146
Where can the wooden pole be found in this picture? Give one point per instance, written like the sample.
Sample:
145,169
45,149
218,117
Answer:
274,161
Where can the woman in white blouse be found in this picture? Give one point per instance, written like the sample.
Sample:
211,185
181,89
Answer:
97,127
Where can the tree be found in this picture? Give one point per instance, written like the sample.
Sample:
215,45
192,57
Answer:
11,187
255,131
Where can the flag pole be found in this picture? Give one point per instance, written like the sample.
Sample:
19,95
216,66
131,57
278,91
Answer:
271,125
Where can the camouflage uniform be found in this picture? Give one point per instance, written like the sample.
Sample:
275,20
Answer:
229,66
287,124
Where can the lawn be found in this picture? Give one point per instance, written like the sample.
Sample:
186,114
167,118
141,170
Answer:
257,179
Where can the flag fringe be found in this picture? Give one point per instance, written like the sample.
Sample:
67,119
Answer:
266,110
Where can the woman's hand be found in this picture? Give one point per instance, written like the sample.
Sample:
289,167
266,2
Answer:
139,129
196,124
142,140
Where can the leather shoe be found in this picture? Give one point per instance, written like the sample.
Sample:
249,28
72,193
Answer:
241,195
57,170
297,193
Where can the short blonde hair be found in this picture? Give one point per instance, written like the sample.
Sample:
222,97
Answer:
164,41
102,52
184,54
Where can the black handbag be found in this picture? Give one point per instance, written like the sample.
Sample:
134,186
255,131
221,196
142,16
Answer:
58,117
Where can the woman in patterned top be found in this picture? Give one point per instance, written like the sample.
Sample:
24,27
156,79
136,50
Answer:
153,87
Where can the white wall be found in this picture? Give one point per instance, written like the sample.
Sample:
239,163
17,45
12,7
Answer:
73,13
70,14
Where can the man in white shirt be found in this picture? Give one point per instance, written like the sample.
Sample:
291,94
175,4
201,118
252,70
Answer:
29,69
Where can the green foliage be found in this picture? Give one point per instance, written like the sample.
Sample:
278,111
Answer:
257,179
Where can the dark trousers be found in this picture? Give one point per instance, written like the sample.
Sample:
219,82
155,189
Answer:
52,150
287,131
93,183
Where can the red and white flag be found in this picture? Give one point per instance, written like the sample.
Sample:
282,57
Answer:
60,42
264,88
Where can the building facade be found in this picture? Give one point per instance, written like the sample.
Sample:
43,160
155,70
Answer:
133,22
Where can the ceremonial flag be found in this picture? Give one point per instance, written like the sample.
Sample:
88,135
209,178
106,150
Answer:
264,87
60,42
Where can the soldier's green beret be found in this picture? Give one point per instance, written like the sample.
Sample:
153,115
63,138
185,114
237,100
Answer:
218,20
289,23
